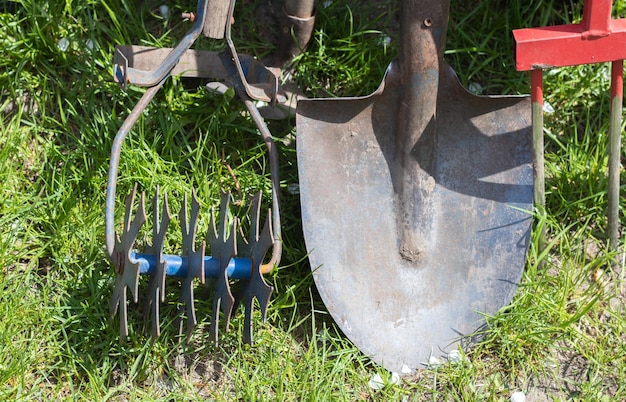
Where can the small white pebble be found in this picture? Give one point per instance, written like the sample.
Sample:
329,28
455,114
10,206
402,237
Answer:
164,11
406,369
433,362
475,88
518,397
376,382
293,188
455,357
395,378
385,40
63,44
90,45
547,107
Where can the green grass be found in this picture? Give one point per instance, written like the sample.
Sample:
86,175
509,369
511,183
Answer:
562,335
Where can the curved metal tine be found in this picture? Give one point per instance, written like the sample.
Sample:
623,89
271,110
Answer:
259,243
127,267
156,285
223,248
195,261
245,246
253,92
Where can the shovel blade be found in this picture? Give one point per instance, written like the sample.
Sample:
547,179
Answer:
399,312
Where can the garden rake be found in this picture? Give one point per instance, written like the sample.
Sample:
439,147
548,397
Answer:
232,257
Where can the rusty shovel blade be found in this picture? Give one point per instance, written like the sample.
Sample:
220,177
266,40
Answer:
415,209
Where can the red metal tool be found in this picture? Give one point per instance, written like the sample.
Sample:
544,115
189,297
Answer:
597,39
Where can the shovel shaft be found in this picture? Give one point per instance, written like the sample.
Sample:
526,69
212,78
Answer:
423,29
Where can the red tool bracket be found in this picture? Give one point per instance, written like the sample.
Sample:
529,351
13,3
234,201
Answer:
597,39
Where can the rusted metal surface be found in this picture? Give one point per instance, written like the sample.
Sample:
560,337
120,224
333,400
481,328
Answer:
297,28
201,64
421,166
217,19
423,33
192,63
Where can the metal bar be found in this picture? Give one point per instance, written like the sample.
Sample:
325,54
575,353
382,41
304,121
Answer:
596,18
177,266
151,78
192,63
536,84
296,30
217,19
300,8
116,150
258,93
562,46
277,250
615,131
536,96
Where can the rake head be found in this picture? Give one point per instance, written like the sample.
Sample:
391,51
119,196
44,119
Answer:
233,258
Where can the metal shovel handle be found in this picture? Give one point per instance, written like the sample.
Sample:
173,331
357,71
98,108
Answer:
423,27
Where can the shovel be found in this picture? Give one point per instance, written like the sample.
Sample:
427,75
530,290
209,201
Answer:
415,201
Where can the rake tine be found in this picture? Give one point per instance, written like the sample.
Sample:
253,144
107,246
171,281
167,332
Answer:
195,261
257,246
223,248
127,267
156,285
